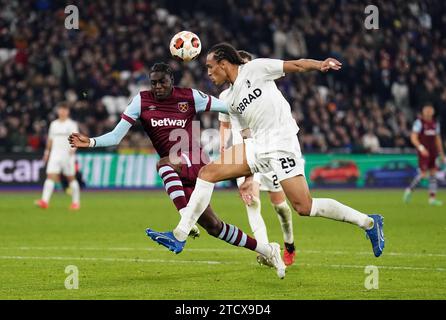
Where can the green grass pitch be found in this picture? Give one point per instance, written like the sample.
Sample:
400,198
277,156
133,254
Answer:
106,241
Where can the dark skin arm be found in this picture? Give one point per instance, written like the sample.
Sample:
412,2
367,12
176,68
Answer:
305,65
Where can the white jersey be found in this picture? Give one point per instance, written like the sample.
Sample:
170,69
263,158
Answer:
256,103
235,131
58,133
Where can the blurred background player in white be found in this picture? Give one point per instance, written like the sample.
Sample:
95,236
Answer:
426,138
60,158
251,186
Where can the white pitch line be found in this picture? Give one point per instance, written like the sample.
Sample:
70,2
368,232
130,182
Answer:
402,254
107,259
110,259
379,267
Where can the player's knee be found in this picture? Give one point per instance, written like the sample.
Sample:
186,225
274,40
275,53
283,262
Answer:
162,162
206,174
303,208
167,162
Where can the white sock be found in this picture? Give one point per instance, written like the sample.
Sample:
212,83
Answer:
263,248
76,192
256,221
286,221
48,188
181,211
198,202
332,209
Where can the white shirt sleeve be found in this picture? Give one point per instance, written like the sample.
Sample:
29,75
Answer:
438,128
269,69
417,126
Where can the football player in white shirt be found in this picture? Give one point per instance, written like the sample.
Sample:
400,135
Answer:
256,103
60,158
250,190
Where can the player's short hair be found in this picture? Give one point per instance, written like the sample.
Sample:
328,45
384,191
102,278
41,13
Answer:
63,105
162,67
245,55
224,51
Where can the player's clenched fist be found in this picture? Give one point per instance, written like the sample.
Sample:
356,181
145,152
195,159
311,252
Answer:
78,140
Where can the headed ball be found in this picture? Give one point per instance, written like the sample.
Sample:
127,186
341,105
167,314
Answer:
185,46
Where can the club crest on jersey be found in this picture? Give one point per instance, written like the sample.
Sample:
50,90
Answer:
183,106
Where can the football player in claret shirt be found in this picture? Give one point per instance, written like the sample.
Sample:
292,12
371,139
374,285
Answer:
426,138
162,111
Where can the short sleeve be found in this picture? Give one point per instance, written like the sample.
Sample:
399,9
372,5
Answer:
269,69
133,110
204,102
417,126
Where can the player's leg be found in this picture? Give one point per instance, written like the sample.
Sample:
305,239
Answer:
69,171
48,189
296,190
416,180
433,188
250,192
169,170
75,192
169,173
230,233
253,206
53,171
234,165
280,205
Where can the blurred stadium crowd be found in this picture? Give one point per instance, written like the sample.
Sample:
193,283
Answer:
387,73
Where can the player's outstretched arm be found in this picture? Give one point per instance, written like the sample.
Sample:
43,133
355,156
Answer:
305,65
112,138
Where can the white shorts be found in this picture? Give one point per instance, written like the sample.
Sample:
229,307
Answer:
267,181
57,165
284,164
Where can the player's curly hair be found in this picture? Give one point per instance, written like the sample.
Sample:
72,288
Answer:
224,51
162,67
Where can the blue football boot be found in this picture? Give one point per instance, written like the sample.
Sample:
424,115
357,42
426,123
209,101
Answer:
167,239
376,234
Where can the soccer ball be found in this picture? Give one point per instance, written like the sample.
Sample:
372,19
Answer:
185,46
